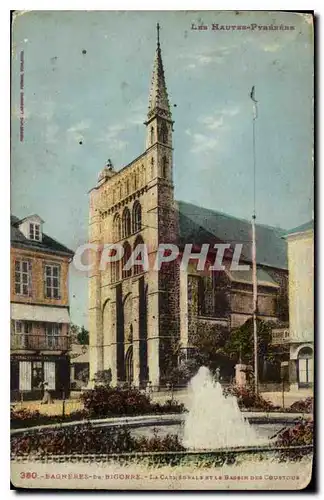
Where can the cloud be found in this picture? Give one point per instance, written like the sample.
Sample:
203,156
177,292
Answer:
80,127
202,143
76,132
111,136
217,120
137,119
212,122
206,57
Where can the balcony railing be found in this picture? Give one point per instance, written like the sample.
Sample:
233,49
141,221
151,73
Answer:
40,343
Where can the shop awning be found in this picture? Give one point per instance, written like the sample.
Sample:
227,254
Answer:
40,313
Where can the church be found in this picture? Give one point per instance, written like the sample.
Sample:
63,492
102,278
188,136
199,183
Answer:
140,318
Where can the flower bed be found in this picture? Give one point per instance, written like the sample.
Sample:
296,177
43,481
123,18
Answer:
99,403
88,440
248,400
111,402
27,418
298,435
303,405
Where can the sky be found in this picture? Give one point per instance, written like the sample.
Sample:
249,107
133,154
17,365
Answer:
86,80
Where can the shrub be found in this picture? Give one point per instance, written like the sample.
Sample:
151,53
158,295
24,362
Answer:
27,418
103,401
23,417
303,405
87,439
247,399
107,401
298,435
102,377
169,406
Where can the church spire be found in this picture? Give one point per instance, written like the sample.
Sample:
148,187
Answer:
158,100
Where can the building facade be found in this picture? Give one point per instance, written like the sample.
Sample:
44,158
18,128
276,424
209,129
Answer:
39,311
301,304
138,317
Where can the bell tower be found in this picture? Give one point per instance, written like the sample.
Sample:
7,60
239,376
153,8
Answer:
163,286
159,124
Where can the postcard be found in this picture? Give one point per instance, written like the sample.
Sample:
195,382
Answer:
162,250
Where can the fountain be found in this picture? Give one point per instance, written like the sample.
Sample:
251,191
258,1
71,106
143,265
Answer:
215,421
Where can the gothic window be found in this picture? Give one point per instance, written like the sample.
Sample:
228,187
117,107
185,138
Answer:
137,217
115,271
116,227
126,223
138,268
143,181
212,296
126,257
164,167
164,133
152,135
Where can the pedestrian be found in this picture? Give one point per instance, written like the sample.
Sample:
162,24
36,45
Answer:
47,398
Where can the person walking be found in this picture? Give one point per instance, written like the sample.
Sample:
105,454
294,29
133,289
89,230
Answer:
47,398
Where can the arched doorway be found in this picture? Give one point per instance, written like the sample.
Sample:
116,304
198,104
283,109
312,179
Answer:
129,365
305,367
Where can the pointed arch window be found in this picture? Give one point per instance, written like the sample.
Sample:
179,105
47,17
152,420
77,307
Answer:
164,133
139,268
143,176
116,228
164,167
119,191
126,223
126,273
137,217
115,270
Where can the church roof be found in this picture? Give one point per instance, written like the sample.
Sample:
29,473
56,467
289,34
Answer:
301,229
199,225
158,99
47,244
263,278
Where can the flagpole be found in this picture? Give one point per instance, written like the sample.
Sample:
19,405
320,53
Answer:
254,265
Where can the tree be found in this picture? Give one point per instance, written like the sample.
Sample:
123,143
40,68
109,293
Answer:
83,336
209,348
240,345
74,331
102,377
183,372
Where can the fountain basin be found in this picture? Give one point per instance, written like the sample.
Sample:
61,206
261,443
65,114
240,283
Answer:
258,418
